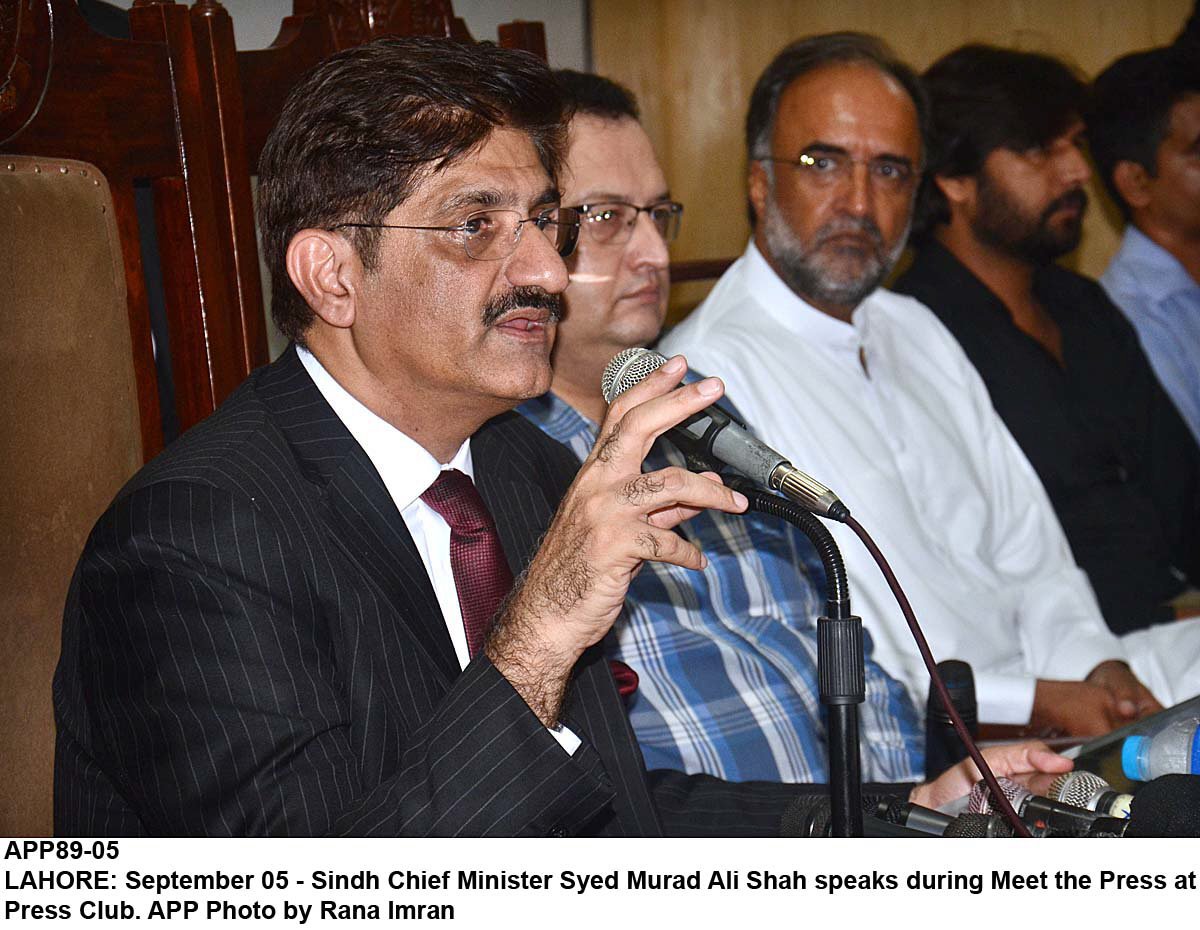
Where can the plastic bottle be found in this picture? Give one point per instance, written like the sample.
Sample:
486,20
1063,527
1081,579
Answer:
1173,750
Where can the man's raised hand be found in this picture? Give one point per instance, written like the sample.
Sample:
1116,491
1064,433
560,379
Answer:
613,518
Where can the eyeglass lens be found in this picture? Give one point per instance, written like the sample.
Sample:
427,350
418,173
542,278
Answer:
829,168
614,222
494,235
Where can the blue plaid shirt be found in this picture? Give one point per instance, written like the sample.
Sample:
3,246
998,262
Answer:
727,657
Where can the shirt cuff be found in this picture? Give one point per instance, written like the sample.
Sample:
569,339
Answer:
566,738
1004,699
1084,654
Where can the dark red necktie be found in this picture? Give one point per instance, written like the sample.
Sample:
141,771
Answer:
481,573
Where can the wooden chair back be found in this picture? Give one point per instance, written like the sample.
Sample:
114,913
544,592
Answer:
81,118
244,91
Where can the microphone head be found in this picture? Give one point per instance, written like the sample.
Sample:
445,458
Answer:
1085,789
960,682
980,799
1168,806
627,368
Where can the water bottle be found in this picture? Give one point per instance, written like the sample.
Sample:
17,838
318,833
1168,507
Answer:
1174,750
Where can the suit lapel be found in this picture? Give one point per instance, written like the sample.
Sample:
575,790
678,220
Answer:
521,482
356,508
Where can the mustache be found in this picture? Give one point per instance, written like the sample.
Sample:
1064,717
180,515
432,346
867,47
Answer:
1076,197
850,224
523,297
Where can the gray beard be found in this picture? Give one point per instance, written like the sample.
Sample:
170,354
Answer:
809,273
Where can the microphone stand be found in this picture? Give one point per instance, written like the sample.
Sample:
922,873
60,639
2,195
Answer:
841,668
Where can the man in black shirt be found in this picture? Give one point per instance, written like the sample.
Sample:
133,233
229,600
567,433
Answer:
1002,198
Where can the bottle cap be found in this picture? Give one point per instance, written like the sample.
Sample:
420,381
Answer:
1131,765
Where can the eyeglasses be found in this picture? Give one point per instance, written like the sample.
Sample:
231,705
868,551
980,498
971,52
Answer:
491,235
832,169
613,222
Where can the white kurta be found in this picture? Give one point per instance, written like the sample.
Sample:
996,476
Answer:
917,453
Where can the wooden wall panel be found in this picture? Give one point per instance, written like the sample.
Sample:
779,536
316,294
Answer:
693,63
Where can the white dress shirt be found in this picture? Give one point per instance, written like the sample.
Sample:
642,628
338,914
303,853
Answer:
407,470
917,453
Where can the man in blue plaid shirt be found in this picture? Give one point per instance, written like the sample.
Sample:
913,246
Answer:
727,657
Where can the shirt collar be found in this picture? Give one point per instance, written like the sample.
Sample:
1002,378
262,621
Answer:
1158,273
406,467
791,311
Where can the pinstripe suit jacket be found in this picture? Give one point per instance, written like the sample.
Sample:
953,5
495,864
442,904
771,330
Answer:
251,646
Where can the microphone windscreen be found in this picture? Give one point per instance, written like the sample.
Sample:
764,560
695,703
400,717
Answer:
806,815
960,682
1169,806
980,800
628,368
811,815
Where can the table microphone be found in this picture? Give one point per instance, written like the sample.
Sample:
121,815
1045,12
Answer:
713,435
1168,806
943,748
969,824
811,816
1083,789
1044,816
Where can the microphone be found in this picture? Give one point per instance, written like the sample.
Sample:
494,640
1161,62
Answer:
935,823
713,436
811,816
1089,791
943,748
1043,816
1168,806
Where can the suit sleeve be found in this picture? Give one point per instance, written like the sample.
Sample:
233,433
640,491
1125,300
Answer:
700,805
207,689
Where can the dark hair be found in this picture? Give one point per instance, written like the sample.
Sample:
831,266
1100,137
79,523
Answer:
593,95
1130,112
984,98
811,54
365,126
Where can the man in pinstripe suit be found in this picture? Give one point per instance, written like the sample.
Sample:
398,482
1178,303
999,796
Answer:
262,635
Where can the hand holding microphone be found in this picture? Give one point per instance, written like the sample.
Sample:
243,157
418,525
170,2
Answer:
612,518
713,436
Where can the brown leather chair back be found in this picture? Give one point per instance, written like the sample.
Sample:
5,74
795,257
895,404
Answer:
70,436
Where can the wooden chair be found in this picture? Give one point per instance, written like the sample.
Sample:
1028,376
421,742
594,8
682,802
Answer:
244,91
82,117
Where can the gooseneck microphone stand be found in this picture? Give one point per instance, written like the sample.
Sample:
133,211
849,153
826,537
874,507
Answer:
841,671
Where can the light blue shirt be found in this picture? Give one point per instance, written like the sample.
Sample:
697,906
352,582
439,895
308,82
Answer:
1162,301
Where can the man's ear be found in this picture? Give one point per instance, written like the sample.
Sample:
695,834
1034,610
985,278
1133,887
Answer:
1132,182
758,187
960,192
323,267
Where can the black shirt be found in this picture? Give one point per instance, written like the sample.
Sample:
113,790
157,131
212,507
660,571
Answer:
1115,457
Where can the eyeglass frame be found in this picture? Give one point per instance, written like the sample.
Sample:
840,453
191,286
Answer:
675,206
912,176
563,252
